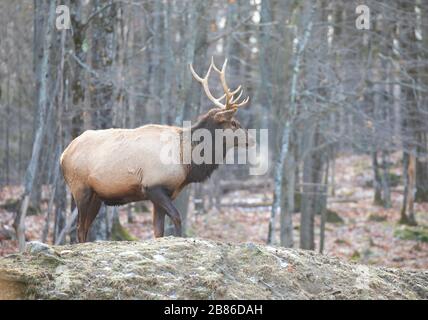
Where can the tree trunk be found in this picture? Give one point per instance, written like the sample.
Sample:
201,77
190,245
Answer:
324,208
407,214
422,168
287,204
377,186
43,77
312,183
279,164
385,180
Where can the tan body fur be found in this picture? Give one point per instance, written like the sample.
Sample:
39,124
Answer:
117,164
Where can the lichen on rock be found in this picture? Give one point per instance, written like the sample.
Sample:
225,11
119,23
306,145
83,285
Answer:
186,268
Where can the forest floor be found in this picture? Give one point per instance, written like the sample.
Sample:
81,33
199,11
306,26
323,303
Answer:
367,234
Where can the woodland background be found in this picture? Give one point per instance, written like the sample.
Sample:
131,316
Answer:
346,109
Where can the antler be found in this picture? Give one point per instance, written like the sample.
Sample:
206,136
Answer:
231,102
204,82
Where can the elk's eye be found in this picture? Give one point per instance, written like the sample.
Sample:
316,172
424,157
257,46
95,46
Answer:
233,123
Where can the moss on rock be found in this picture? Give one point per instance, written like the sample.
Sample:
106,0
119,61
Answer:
119,233
186,268
419,233
333,217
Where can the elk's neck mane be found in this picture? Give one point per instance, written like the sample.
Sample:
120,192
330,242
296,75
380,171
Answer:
201,172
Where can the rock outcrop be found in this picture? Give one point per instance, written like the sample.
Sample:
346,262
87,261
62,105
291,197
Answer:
186,268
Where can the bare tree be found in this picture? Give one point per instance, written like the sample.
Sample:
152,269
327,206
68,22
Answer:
43,75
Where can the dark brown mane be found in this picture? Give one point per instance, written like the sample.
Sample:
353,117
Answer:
201,172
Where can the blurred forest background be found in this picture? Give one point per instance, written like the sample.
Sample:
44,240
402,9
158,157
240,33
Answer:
346,109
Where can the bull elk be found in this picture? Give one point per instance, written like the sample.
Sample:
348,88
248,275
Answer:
119,166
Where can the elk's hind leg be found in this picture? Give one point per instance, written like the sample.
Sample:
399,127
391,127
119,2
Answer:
88,205
81,196
160,198
93,209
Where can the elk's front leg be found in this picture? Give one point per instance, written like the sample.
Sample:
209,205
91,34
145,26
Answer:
160,198
158,221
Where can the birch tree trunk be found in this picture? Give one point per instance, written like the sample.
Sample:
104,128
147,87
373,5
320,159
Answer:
43,77
279,164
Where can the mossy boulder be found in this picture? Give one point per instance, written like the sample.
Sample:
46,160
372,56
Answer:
186,268
418,233
394,181
377,217
141,207
119,233
333,217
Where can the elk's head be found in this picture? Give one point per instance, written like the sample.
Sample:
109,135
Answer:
222,116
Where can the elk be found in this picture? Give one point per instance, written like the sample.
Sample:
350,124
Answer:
119,166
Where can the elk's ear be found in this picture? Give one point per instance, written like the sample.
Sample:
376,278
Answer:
226,115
